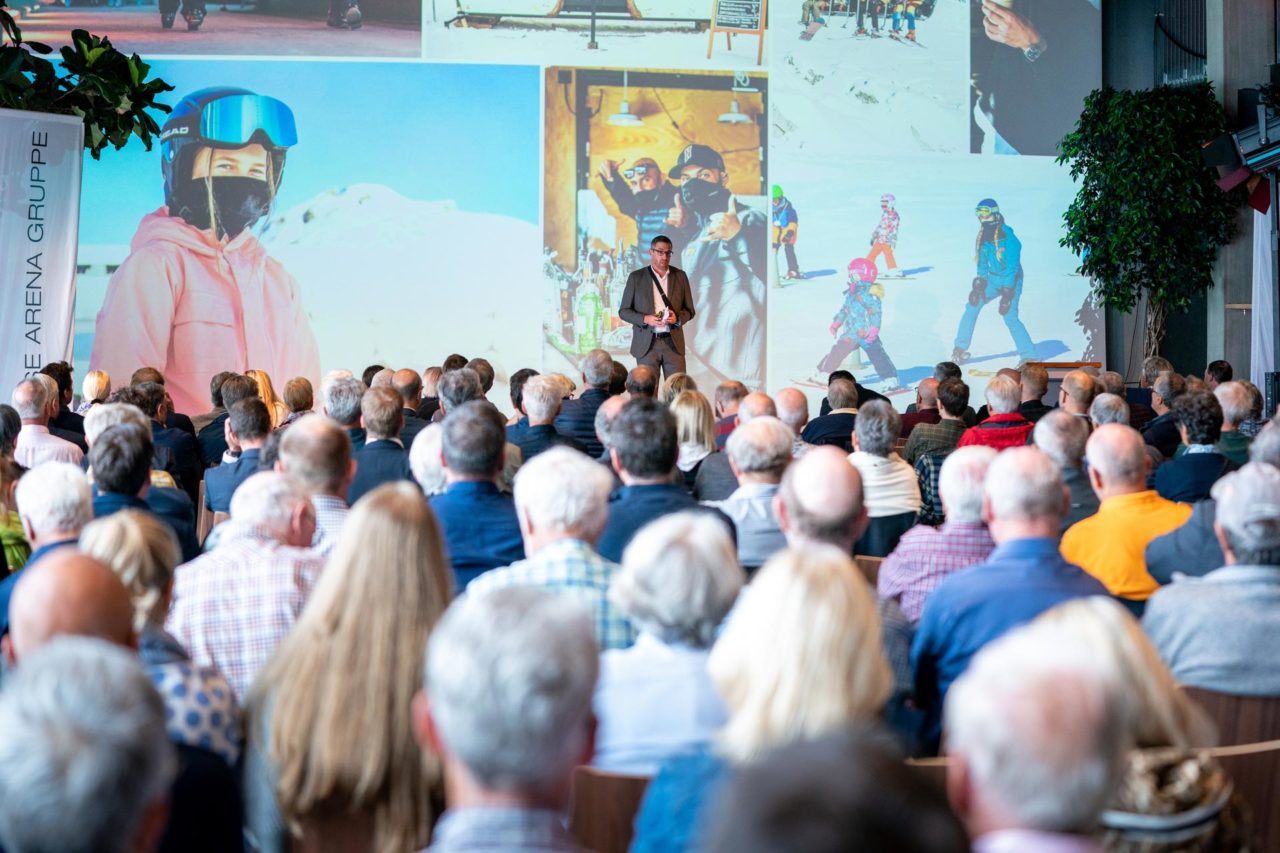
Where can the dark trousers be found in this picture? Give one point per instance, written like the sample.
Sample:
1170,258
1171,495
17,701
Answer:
790,249
874,350
662,356
871,6
189,7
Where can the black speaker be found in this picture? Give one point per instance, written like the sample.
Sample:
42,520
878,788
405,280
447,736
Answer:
1271,395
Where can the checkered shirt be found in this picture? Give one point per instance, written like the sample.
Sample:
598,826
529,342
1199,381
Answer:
331,512
570,566
928,469
232,606
941,437
925,556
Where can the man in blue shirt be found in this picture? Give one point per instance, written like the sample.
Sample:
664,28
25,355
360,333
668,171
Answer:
480,527
577,417
382,459
1024,576
247,431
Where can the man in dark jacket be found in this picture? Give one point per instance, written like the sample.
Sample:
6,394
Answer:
577,417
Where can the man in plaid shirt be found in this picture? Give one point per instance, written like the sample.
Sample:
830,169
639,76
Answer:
232,606
926,555
562,501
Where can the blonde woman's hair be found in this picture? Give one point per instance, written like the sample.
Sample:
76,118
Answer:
340,686
676,384
143,552
267,393
695,422
96,386
1162,714
801,655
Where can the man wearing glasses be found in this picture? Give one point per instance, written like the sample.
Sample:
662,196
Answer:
657,301
642,193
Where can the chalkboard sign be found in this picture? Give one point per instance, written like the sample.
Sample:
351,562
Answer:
742,15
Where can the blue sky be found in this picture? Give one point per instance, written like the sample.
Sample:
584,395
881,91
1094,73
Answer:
429,131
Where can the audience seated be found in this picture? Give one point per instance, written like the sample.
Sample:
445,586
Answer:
1025,575
716,480
793,410
759,452
561,499
729,396
457,387
642,381
299,399
799,658
507,771
68,593
1237,405
1210,629
1005,427
696,432
577,417
232,606
330,749
940,438
925,555
1108,408
519,420
830,793
87,764
200,709
340,398
163,473
212,437
890,490
219,411
430,403
54,505
1252,425
644,450
1197,464
186,452
1062,437
13,541
480,525
484,372
655,700
1076,394
1110,544
121,460
425,460
10,426
382,459
835,426
542,403
94,389
863,394
246,431
64,418
408,384
54,398
1161,432
1036,738
1034,382
35,444
926,406
1217,373
316,454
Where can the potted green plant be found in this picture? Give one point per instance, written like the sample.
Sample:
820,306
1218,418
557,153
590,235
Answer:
107,89
1148,218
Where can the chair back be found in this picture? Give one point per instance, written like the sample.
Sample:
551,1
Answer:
870,567
603,810
1240,719
204,517
1254,769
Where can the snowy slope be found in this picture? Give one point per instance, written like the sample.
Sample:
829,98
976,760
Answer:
390,279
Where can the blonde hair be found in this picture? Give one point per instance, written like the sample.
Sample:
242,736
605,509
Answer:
267,393
801,655
341,684
143,552
1162,714
695,422
676,384
96,386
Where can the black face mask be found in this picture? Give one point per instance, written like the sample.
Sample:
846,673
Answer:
989,232
238,201
704,197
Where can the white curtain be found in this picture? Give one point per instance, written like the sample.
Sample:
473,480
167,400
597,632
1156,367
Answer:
1262,352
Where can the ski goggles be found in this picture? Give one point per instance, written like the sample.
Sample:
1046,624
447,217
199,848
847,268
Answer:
984,212
236,119
639,170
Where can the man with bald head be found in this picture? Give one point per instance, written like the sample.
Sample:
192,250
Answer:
642,381
408,384
316,452
926,408
1076,394
819,502
793,410
68,593
1110,544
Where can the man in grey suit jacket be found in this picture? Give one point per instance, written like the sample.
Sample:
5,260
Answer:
657,301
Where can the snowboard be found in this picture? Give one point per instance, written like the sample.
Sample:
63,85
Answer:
978,371
810,31
821,386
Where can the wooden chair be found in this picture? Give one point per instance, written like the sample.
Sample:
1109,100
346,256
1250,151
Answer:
204,518
1240,719
933,769
1254,769
603,810
870,567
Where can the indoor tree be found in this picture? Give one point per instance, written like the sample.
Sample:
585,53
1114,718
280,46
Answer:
107,89
1148,218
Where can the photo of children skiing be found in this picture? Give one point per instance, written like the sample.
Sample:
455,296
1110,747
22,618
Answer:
856,326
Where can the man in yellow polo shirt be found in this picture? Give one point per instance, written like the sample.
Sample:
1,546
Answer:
1111,544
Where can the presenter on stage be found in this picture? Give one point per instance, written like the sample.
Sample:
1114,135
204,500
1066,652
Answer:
657,301
198,294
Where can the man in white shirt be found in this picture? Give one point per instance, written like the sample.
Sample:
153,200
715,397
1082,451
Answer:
36,445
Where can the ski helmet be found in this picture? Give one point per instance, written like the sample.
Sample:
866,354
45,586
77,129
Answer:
862,269
224,117
777,191
986,207
887,198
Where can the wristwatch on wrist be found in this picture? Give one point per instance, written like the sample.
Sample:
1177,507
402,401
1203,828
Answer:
1033,52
